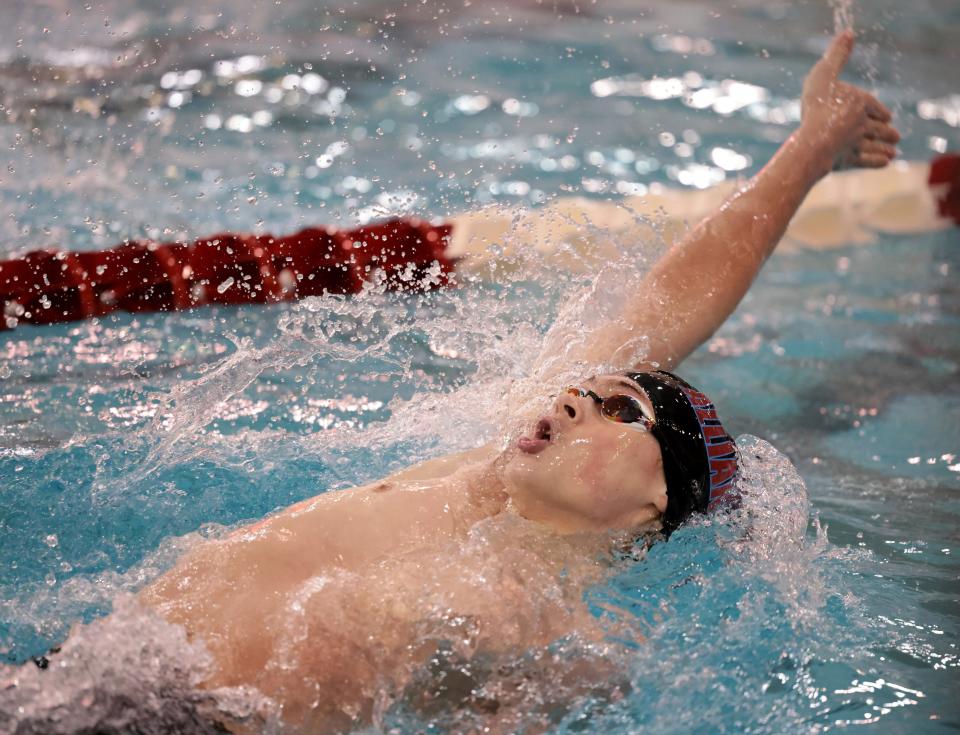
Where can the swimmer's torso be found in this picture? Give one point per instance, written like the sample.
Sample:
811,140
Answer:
225,588
332,599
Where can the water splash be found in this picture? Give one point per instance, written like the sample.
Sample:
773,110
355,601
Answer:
130,672
843,15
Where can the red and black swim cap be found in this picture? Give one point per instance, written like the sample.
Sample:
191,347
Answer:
699,457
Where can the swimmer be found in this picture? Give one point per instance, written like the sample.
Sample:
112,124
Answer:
321,607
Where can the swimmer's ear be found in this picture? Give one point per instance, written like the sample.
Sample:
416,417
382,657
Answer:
660,502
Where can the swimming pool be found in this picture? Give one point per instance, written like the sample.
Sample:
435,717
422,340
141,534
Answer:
121,436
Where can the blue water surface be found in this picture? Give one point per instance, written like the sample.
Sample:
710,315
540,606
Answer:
121,435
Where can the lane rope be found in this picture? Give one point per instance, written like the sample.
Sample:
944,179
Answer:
50,286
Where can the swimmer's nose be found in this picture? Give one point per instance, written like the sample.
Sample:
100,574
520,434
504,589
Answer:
572,407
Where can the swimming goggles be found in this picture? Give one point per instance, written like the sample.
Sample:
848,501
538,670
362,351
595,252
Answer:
619,408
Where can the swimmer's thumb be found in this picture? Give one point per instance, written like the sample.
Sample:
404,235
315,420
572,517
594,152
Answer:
836,57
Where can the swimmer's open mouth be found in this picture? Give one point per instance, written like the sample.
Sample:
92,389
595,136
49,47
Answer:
542,435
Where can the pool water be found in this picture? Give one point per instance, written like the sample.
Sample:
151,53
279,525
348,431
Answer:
123,440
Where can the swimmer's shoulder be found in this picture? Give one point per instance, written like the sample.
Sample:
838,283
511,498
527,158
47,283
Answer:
447,472
445,466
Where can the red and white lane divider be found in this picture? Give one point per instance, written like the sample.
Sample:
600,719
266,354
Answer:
47,286
944,181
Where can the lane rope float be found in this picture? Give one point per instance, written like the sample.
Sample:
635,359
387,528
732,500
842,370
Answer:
49,286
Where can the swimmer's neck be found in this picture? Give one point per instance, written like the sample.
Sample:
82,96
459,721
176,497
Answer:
477,472
485,487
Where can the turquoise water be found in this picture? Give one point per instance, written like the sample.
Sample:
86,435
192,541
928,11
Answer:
119,437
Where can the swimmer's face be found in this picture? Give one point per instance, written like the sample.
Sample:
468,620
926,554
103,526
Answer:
579,471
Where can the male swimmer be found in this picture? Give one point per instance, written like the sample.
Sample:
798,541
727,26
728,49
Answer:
321,606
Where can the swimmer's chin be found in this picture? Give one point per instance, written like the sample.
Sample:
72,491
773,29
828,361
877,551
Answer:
623,537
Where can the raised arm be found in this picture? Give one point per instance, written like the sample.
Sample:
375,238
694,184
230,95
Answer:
692,290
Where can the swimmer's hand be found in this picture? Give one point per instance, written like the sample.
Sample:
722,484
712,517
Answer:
847,126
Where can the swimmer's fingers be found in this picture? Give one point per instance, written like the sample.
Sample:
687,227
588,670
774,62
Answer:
870,154
876,130
871,106
866,153
850,125
876,110
865,160
877,148
835,57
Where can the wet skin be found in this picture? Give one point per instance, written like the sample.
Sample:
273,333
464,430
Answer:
310,562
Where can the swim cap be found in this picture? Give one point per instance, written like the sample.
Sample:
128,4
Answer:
699,457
